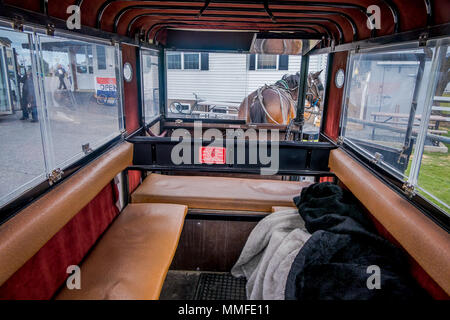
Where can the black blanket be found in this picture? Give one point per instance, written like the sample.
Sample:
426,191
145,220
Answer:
334,262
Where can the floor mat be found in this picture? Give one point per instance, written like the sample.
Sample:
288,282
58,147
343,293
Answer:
220,286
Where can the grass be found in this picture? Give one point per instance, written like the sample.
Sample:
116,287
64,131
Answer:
434,176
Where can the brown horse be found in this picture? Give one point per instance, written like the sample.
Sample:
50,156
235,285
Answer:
272,104
314,98
277,103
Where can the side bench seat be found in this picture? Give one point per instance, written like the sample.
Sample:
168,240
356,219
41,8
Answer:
131,260
218,193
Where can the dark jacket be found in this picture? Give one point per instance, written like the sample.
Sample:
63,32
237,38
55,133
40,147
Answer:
28,94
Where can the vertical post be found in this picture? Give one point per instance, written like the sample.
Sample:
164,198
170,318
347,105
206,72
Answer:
329,80
141,113
162,83
302,87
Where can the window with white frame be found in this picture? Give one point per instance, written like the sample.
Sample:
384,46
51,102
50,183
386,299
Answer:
267,62
396,113
191,61
174,61
187,61
63,102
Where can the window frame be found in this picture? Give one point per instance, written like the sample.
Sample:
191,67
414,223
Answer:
381,168
28,191
144,52
277,62
181,54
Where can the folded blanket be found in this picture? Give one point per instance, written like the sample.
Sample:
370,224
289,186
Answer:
268,254
336,261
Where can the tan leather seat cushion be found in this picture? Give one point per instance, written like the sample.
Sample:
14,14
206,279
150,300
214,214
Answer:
218,193
132,259
423,239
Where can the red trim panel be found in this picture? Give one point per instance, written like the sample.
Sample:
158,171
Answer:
45,272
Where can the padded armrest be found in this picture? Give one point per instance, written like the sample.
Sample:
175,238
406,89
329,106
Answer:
218,193
131,260
423,239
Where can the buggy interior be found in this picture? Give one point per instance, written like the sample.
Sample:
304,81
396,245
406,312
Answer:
156,150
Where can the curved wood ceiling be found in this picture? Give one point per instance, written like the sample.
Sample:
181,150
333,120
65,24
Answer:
342,21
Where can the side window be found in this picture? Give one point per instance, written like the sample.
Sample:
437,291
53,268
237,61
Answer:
22,161
59,101
84,109
315,95
430,174
396,113
150,84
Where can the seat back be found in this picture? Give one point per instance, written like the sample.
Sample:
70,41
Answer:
23,236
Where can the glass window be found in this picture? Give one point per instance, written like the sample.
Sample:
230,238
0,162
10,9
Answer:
150,84
267,61
396,113
380,94
22,164
191,61
174,61
227,86
83,108
101,57
315,94
430,174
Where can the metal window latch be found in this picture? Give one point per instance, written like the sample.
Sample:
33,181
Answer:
86,148
409,189
423,38
340,140
55,176
18,23
50,29
378,157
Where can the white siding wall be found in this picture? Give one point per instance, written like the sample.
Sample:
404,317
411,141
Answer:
227,79
224,81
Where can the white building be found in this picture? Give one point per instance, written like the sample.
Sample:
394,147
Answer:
227,77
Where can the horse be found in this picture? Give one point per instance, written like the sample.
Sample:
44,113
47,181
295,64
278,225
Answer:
314,97
277,103
274,103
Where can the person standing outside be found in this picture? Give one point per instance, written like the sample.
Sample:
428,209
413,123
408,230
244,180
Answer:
61,74
28,100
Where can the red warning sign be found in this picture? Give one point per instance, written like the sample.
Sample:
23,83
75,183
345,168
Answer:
212,155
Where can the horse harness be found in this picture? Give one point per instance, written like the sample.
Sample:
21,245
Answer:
284,93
